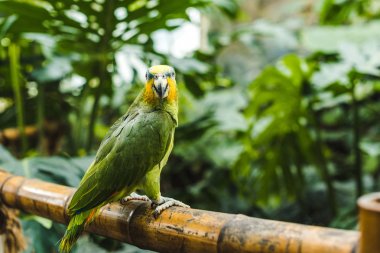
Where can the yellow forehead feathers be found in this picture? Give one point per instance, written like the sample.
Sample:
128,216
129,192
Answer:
158,69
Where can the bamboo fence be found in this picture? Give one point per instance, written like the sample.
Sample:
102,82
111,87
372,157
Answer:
189,230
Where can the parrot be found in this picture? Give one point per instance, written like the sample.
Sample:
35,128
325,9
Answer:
130,157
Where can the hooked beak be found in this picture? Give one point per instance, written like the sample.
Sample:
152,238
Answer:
160,86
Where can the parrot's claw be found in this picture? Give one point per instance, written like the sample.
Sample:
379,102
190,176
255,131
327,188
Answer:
134,196
164,204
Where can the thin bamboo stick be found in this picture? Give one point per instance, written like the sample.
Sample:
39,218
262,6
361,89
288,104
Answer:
178,229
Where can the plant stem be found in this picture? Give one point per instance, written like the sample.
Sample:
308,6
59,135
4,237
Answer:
358,170
94,110
101,69
320,160
40,116
322,164
14,65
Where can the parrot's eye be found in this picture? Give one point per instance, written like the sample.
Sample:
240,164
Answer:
170,75
155,77
148,76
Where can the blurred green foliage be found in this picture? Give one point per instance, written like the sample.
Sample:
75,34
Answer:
277,119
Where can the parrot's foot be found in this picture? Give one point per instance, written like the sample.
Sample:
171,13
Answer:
134,196
164,203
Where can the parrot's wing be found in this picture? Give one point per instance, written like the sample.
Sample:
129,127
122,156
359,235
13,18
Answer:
108,141
134,147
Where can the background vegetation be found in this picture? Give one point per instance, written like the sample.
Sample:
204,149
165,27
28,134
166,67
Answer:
279,106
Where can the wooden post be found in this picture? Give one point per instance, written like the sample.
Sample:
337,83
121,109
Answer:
369,217
178,229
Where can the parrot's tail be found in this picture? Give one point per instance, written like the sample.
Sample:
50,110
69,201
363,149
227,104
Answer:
75,228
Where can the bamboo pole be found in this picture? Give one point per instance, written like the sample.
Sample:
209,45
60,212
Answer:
178,229
369,216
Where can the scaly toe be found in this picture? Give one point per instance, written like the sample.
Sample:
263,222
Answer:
168,202
134,196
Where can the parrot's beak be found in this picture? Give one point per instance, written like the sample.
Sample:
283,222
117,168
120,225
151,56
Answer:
161,87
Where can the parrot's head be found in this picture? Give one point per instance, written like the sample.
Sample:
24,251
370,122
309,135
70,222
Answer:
160,84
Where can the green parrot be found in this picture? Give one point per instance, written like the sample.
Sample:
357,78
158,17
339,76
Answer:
131,156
